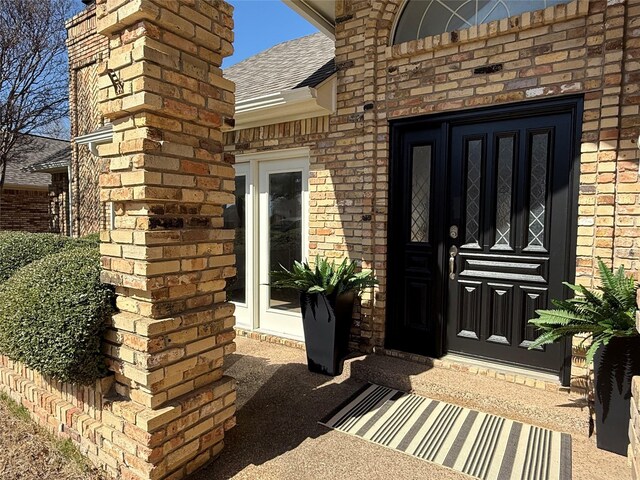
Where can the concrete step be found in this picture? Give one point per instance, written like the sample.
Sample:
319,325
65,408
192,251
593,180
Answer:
560,411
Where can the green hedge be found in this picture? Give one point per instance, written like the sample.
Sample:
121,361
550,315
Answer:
53,313
18,249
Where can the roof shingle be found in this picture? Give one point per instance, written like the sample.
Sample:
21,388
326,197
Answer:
56,161
303,62
38,150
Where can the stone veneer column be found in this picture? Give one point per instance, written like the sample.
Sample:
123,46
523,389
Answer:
168,254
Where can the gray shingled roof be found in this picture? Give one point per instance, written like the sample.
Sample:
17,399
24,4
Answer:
303,62
38,150
59,160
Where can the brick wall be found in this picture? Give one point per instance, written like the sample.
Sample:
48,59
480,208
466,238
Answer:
26,209
64,409
86,49
59,203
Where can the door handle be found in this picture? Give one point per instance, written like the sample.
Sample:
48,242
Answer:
453,252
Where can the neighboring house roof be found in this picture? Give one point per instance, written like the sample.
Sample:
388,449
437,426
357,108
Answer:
303,62
40,150
55,162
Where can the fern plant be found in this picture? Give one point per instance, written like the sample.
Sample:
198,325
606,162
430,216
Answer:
599,315
326,277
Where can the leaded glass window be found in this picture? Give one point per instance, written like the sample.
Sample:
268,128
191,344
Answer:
474,189
424,18
420,193
503,191
538,192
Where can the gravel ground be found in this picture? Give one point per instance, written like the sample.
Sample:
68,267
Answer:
28,453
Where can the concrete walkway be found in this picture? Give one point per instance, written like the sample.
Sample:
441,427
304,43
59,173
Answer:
280,403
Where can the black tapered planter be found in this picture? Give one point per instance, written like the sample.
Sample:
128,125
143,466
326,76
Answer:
327,323
614,366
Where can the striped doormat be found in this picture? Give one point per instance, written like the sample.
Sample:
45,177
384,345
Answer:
478,444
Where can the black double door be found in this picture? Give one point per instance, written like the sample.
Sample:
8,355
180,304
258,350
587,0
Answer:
481,231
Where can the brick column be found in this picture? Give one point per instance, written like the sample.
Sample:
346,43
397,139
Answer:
168,255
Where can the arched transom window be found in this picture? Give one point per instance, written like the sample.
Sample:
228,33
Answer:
424,18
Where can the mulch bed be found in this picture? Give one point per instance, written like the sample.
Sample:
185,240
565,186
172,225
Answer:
28,453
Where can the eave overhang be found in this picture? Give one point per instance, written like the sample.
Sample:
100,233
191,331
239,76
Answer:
320,13
286,106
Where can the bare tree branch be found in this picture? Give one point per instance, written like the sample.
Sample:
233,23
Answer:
33,73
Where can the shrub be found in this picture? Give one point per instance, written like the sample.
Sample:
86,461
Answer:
53,313
18,249
91,240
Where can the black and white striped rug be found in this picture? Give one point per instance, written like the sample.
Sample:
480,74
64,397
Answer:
478,444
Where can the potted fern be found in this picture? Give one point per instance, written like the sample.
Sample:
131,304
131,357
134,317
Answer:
327,296
607,318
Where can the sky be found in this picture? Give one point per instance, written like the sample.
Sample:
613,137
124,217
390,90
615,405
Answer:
261,24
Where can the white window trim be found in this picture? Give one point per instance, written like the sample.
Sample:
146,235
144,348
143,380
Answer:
256,259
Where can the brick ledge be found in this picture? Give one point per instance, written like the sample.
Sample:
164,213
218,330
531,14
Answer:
269,338
450,364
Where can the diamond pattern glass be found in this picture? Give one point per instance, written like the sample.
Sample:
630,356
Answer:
424,18
420,193
474,186
537,196
503,191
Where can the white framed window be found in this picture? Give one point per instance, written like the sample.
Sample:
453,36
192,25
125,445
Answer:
271,219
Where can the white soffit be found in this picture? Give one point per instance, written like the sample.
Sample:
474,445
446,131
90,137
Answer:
287,106
321,13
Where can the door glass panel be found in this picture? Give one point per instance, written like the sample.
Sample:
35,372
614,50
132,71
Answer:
503,191
234,218
537,196
285,232
420,193
474,177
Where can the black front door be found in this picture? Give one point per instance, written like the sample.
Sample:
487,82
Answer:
482,230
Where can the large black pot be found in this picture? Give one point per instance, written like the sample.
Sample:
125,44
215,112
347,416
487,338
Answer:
327,323
614,366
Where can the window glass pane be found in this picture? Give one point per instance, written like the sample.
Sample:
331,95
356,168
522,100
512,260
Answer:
503,191
285,232
423,18
234,217
537,196
420,193
474,185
